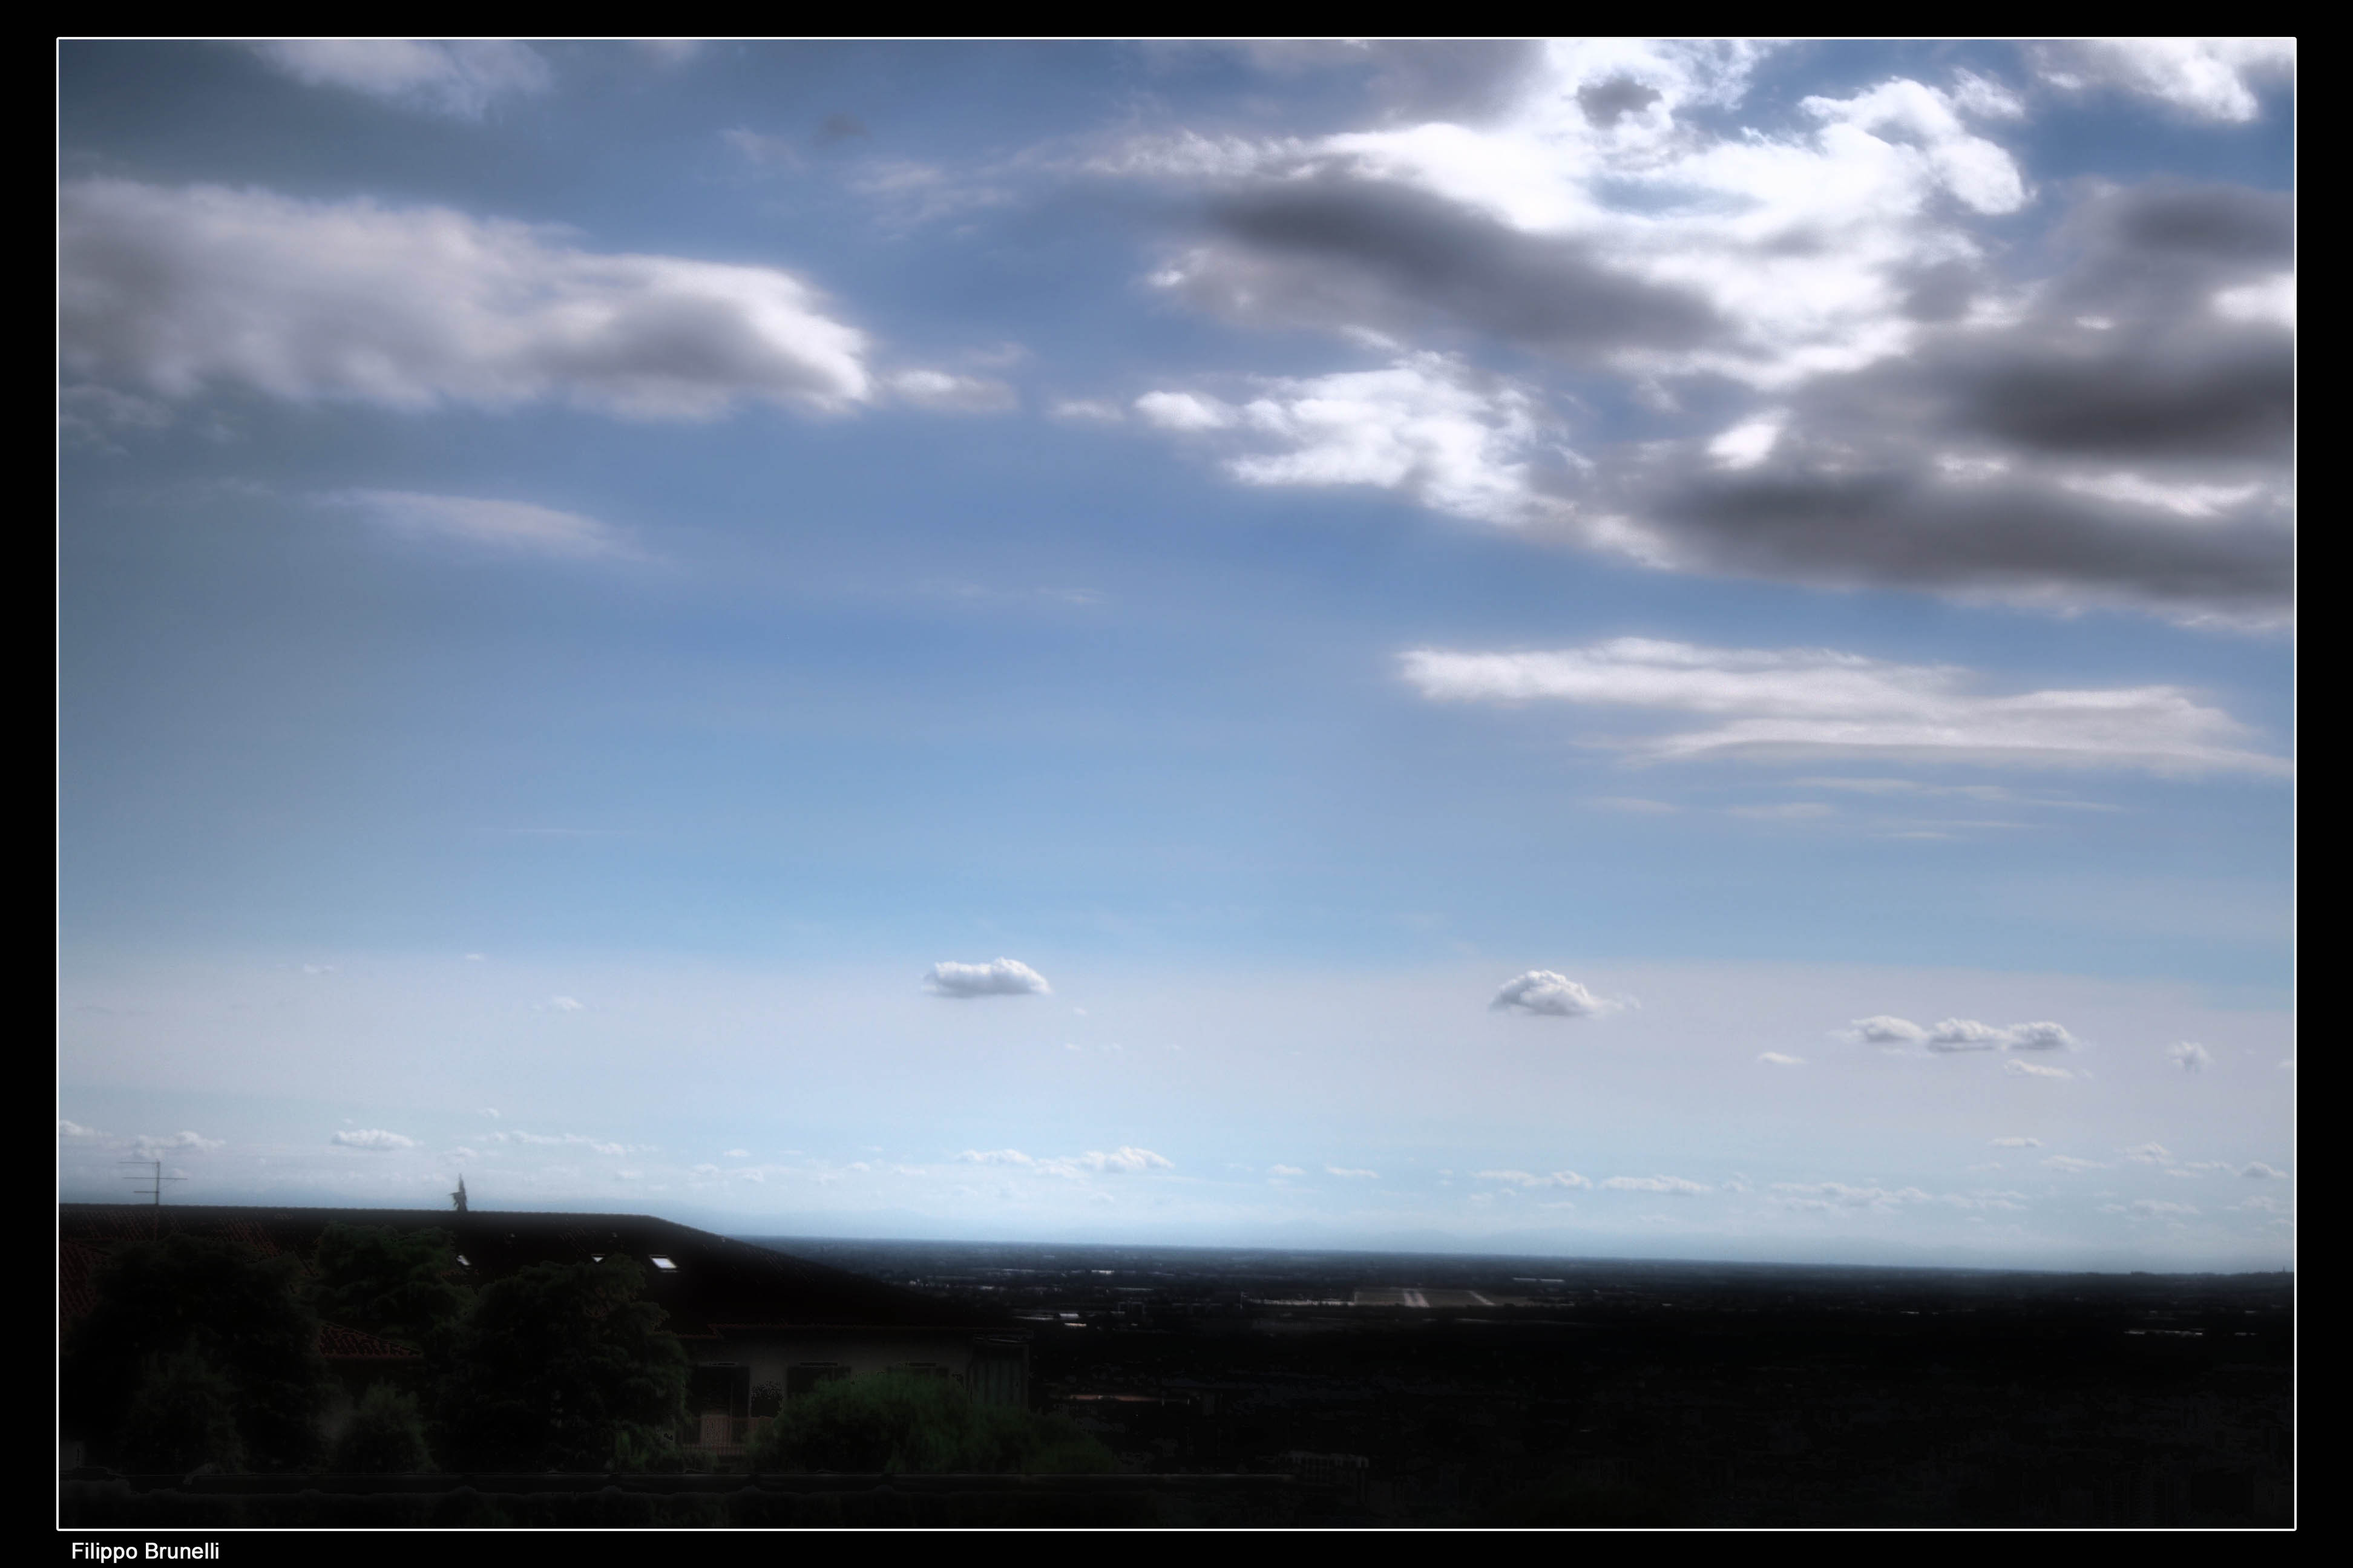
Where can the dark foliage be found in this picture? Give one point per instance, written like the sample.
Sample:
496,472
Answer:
185,1315
897,1423
562,1367
183,1416
386,1436
401,1285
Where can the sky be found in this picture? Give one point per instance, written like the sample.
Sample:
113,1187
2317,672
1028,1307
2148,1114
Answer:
1610,647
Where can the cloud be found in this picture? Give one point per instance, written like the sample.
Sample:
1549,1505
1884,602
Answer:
461,79
2034,1069
1428,427
2071,1164
1124,1158
518,528
2149,1154
2193,1057
1884,1030
951,394
1903,395
1353,1175
2016,1143
995,1157
178,291
372,1137
1545,993
147,1145
1831,1196
1285,1171
2210,78
76,1130
2261,1172
1005,977
1673,1186
565,1004
1779,1060
1799,702
1530,1179
2157,1208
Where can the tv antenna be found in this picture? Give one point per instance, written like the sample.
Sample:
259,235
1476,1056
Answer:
155,1178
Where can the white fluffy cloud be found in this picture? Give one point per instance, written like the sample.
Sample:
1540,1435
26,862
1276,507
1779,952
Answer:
2191,1056
1005,977
1351,1174
149,1145
1124,1160
1796,702
2212,78
460,78
1884,1030
1426,427
1780,1059
176,291
1544,993
372,1137
2016,1143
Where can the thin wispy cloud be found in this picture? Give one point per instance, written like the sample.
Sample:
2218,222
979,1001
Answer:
1794,703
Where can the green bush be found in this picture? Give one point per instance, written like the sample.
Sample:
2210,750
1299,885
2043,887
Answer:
898,1422
182,1416
386,1436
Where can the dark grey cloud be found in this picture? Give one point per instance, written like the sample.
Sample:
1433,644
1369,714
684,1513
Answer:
1333,250
2123,438
1604,103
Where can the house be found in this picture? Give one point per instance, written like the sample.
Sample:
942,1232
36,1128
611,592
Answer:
761,1327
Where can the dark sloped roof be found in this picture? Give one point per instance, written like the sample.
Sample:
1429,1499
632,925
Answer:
714,1280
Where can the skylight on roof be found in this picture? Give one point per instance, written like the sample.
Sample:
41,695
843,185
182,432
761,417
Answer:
664,1264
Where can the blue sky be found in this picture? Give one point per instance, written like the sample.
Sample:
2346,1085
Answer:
1617,646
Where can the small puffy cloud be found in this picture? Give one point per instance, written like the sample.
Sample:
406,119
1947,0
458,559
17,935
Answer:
518,528
951,394
372,1137
1780,1059
1883,1029
2071,1164
1965,1035
2159,1208
2017,1143
1545,993
2034,1069
2191,1055
147,1145
75,1130
1831,1196
2212,78
565,1004
995,1157
1673,1186
176,291
1797,702
461,79
1351,1174
2043,1036
1285,1171
2149,1154
1125,1158
1531,1179
2260,1172
1004,977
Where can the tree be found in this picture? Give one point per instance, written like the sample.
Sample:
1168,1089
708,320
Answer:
401,1285
898,1422
386,1436
183,1414
238,1316
560,1366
